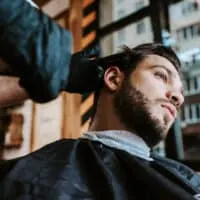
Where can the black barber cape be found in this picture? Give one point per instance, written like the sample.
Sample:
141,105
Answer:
84,169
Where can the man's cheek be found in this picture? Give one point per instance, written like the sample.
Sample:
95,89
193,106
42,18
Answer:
155,111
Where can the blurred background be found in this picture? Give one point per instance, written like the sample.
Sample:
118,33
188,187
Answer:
108,24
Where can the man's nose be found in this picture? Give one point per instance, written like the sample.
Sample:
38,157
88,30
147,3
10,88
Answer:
176,97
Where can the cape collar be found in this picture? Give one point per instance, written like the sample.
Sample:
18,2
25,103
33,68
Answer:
123,140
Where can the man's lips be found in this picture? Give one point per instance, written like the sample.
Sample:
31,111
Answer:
170,108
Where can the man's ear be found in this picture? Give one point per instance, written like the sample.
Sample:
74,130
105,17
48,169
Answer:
113,78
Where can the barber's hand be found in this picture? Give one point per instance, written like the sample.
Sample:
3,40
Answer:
85,73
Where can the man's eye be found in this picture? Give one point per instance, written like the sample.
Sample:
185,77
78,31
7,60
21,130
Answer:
162,76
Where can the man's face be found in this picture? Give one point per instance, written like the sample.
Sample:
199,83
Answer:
149,99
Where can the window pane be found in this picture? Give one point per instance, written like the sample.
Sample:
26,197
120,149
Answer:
132,35
114,10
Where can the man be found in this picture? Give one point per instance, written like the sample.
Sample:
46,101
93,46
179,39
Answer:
145,94
138,101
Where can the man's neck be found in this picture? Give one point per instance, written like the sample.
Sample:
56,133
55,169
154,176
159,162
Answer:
107,122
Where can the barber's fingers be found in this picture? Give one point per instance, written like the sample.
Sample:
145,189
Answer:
11,93
5,69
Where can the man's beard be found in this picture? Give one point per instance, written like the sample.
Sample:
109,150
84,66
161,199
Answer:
131,106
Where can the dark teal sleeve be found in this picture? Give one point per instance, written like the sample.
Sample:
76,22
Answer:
38,50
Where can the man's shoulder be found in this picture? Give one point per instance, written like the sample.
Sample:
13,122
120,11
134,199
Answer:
175,165
57,151
62,148
180,169
6,166
66,156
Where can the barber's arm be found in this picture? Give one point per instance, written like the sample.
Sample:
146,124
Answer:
36,48
38,51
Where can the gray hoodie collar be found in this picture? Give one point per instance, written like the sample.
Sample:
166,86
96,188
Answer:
122,140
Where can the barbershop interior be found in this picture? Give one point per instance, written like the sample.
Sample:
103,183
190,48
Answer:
106,25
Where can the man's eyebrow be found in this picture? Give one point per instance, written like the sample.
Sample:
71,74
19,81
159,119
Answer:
169,72
164,67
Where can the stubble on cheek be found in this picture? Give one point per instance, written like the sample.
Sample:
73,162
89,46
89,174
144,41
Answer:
141,114
161,116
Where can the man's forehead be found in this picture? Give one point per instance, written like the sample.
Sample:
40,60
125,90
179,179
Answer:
156,60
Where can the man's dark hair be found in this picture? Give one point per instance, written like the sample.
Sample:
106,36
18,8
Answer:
128,58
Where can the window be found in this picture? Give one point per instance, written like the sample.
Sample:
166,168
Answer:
121,13
188,32
192,31
183,9
198,110
198,29
184,33
121,35
120,1
195,29
182,114
188,7
140,27
188,84
195,5
139,5
179,34
190,112
195,83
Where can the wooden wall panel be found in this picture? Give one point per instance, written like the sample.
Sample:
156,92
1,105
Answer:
89,40
71,106
48,120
